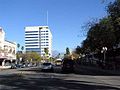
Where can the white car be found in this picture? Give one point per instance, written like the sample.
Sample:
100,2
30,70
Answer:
47,67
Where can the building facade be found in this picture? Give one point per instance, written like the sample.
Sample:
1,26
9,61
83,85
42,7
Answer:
37,38
7,50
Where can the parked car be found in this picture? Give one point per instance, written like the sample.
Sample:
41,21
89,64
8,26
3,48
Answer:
20,65
47,67
13,66
67,66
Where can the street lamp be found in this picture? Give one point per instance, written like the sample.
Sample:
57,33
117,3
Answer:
104,49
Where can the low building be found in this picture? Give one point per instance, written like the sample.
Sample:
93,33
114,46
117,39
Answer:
7,51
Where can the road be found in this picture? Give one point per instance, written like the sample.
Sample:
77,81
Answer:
34,79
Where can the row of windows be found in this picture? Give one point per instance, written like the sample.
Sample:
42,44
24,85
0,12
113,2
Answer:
32,40
37,40
42,50
44,42
30,34
44,31
44,39
31,43
31,37
31,31
37,37
44,36
43,28
45,45
32,49
35,49
35,34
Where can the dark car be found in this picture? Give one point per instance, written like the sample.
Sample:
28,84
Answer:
67,66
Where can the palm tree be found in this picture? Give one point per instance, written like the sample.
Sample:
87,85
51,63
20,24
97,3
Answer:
18,46
22,48
67,51
46,53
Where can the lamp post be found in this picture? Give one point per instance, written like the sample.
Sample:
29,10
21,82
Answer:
104,49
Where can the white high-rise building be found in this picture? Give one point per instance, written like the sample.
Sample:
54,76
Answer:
37,38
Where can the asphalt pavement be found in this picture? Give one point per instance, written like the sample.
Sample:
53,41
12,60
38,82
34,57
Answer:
34,79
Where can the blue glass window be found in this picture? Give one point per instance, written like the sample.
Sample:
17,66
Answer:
32,40
31,31
31,43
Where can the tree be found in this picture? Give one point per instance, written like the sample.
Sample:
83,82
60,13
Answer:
114,12
35,56
99,35
18,46
67,51
18,55
106,31
67,55
22,48
46,51
78,50
31,56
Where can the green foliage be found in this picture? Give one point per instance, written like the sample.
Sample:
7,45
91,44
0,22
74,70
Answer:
67,55
18,45
19,55
22,48
78,50
35,57
99,35
67,51
46,51
105,32
114,12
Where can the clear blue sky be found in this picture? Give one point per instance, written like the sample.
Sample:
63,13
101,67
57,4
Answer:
66,18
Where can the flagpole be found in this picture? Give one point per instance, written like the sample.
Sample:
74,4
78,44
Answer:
47,17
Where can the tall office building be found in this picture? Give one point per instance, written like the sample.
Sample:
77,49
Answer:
37,38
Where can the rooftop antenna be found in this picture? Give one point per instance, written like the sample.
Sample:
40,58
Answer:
47,17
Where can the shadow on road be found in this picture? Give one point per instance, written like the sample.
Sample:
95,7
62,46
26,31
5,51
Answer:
79,71
32,82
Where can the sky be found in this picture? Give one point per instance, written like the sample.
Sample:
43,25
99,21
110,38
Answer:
65,19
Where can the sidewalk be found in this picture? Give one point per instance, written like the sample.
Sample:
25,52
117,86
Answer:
94,70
